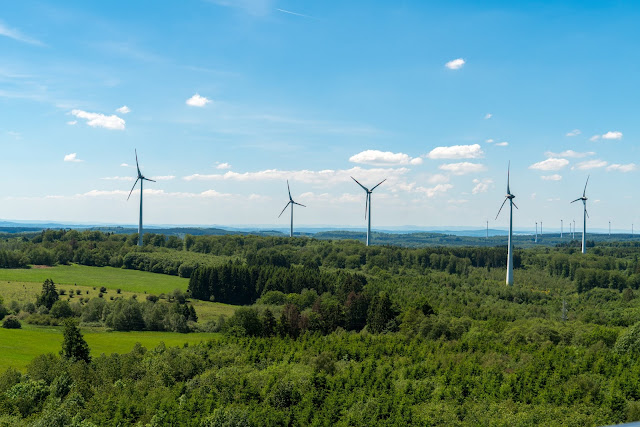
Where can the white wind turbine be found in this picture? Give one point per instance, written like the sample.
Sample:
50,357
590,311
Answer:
509,197
367,206
140,178
585,216
291,202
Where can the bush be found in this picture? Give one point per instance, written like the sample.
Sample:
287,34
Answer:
629,340
61,309
11,322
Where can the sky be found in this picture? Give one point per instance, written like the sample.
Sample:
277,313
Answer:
226,100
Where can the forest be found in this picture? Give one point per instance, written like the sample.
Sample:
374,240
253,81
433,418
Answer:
331,332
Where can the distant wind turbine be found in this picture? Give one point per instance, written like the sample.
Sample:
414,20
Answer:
140,178
367,206
291,202
536,240
509,197
585,216
561,229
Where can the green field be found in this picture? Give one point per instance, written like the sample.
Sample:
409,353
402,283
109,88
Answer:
19,346
109,277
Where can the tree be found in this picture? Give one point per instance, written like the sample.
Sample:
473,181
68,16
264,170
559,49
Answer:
11,322
380,313
61,309
74,346
49,294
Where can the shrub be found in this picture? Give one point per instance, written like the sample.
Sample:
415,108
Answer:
61,309
11,322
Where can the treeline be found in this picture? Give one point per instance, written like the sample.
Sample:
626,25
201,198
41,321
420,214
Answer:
241,284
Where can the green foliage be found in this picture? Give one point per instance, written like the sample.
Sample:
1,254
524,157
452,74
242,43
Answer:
49,294
74,346
61,309
11,322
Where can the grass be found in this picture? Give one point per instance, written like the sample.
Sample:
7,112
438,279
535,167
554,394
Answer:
109,277
19,346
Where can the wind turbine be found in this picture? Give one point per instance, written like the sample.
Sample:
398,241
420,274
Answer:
291,202
561,229
487,229
367,206
536,240
585,216
574,230
509,197
140,178
609,228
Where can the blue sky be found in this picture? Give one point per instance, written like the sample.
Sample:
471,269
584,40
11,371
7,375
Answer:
226,99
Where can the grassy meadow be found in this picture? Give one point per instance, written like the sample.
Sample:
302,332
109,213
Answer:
109,277
18,347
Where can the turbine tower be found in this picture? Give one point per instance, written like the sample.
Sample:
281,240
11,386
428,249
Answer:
140,178
561,229
291,202
585,216
367,206
509,197
536,240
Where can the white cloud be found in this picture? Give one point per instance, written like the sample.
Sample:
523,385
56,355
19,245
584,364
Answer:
125,165
488,116
502,144
551,164
223,166
383,158
570,154
73,157
462,168
554,177
612,135
455,64
574,132
489,141
197,101
118,178
481,186
622,168
12,33
434,191
456,152
310,196
163,177
438,179
323,177
149,192
72,122
123,110
533,196
591,164
100,120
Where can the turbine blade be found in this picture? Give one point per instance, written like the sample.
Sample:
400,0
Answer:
289,190
378,184
585,187
284,209
299,204
134,186
363,187
137,166
576,200
147,179
500,210
508,174
514,205
587,212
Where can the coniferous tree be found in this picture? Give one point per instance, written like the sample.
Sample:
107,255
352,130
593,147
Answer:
49,294
74,346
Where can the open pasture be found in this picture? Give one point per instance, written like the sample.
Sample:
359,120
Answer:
19,346
109,277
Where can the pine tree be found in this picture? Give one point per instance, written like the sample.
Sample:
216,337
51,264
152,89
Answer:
74,346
